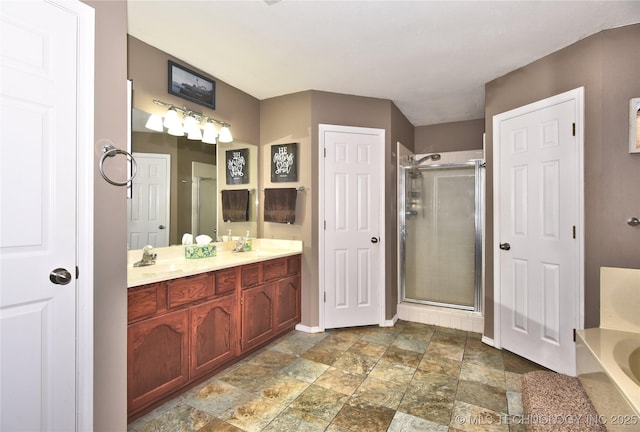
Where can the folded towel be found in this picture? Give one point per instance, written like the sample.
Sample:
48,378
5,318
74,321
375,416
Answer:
203,239
235,205
280,205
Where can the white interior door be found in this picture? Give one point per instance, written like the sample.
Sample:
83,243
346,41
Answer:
148,209
352,222
538,226
44,69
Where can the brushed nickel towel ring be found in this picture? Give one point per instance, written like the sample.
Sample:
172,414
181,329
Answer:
110,151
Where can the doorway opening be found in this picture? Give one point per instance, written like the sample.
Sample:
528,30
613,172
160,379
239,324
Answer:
441,208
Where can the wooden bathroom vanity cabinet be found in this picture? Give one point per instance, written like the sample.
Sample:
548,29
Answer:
181,331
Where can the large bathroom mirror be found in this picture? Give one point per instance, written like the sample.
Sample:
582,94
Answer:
178,188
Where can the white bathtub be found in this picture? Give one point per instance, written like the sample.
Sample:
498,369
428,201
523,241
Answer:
608,365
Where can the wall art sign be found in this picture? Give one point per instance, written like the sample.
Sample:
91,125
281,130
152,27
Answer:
237,166
191,86
284,162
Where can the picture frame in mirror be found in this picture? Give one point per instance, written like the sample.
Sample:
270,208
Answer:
634,125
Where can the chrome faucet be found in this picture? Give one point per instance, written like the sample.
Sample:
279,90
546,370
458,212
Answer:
148,257
241,245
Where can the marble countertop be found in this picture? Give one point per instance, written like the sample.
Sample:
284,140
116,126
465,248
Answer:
171,263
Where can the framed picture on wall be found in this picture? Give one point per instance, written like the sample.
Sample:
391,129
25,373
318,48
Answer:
284,162
237,166
634,125
191,85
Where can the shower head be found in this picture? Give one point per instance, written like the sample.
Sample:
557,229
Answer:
433,157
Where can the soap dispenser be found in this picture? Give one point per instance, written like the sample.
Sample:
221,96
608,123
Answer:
248,244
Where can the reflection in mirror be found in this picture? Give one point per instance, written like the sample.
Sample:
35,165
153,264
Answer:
178,191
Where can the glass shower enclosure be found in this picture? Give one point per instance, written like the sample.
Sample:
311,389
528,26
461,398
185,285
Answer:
441,234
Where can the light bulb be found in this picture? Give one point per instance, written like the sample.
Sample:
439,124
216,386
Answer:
171,119
194,133
210,133
154,122
176,130
190,123
225,134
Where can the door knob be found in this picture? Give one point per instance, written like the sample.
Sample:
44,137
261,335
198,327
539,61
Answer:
161,227
375,239
60,276
505,246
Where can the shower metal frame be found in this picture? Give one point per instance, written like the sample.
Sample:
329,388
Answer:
478,241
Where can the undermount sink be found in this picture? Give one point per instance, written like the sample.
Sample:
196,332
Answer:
162,270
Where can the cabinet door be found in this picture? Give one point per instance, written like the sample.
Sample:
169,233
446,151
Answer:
213,334
287,312
257,315
157,357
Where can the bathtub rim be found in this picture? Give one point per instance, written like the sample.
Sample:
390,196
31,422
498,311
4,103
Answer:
601,342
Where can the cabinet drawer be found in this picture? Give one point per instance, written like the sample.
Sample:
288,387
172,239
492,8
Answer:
250,275
275,269
189,290
294,264
226,281
142,302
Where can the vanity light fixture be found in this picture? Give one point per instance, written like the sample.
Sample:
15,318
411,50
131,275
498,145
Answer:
190,124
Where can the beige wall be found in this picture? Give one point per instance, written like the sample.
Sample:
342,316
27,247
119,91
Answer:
445,137
283,120
401,132
110,277
295,118
608,66
147,67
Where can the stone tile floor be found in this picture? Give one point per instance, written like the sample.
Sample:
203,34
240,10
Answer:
410,377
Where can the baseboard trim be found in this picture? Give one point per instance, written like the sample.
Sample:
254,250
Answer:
391,322
487,340
307,329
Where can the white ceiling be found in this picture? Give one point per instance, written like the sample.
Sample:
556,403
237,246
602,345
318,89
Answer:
431,58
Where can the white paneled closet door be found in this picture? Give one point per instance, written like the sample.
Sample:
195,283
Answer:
45,68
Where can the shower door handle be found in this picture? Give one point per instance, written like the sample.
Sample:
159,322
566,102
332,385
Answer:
375,239
505,246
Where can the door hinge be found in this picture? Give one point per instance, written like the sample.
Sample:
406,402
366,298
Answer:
241,302
240,341
574,231
325,225
325,296
325,152
77,272
573,129
574,335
